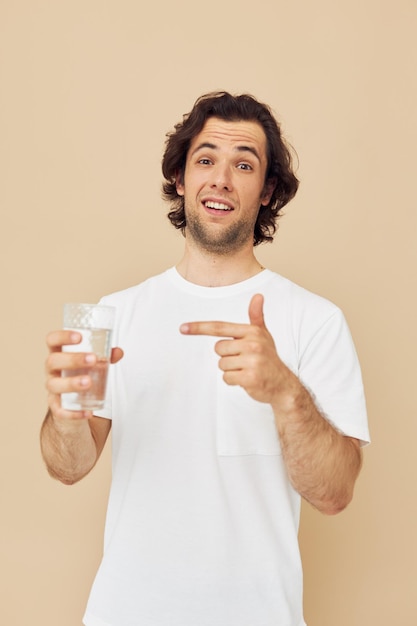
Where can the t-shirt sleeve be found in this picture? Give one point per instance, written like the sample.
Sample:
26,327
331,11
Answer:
329,368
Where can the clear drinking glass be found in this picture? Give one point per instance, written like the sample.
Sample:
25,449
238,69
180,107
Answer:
95,323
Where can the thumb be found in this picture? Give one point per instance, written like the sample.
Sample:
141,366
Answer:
256,310
116,355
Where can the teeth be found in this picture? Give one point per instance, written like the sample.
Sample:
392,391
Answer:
218,205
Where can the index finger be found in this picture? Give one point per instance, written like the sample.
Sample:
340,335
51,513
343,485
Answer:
215,329
58,338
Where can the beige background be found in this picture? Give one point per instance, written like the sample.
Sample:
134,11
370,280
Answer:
88,90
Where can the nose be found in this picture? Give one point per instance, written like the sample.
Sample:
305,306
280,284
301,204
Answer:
221,177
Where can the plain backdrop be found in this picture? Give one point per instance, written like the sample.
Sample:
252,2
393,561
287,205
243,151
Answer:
88,90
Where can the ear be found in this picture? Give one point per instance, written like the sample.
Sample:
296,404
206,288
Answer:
268,190
179,182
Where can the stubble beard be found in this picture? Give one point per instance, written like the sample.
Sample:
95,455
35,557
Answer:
220,241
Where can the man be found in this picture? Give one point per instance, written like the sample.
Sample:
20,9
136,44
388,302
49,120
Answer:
218,426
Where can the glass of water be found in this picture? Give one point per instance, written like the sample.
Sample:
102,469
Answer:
95,323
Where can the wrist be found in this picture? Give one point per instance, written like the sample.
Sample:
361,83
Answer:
67,425
291,399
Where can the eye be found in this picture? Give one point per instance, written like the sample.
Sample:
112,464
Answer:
245,166
204,161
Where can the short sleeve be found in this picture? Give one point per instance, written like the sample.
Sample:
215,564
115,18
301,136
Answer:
330,370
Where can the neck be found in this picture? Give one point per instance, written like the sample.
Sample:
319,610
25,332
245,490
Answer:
210,270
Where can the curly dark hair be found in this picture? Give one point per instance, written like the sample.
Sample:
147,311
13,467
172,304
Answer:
231,108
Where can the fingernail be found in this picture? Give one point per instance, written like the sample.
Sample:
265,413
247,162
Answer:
84,381
90,358
184,328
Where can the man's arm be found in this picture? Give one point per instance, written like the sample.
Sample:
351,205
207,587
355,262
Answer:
71,447
322,463
71,441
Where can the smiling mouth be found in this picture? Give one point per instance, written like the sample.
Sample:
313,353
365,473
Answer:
219,206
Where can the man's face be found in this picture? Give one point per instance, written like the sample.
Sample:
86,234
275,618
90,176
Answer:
224,185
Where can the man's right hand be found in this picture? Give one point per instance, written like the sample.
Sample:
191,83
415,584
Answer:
57,360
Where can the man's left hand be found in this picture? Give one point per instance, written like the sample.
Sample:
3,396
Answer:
248,356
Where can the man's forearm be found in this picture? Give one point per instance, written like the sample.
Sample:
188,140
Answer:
322,463
68,448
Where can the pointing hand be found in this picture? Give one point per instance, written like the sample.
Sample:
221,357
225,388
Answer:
248,356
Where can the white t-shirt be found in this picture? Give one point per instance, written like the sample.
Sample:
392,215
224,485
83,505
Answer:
202,521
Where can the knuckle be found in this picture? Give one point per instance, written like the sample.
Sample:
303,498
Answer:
251,378
256,331
52,384
49,363
50,339
220,347
54,339
255,346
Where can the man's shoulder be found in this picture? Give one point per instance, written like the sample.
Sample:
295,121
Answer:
138,291
298,296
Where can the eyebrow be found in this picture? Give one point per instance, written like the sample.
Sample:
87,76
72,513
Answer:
212,146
